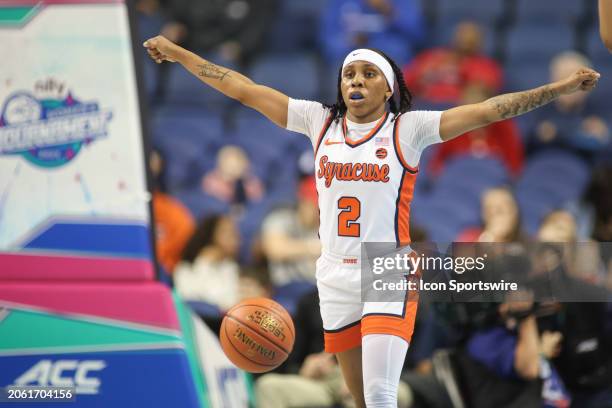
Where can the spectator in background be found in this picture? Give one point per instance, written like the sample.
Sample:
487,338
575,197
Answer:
582,260
235,29
501,140
500,217
290,238
174,224
395,26
440,75
558,226
232,181
585,260
209,271
570,122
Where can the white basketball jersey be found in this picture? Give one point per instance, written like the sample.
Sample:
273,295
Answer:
365,187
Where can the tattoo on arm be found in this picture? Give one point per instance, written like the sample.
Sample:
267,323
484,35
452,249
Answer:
514,104
210,70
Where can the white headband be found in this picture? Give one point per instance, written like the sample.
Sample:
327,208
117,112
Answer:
373,58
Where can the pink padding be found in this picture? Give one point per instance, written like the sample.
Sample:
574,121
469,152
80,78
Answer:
71,268
50,2
147,303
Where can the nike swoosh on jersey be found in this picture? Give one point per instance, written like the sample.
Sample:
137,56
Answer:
330,142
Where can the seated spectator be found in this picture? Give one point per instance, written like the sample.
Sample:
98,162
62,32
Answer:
500,217
440,75
235,29
500,139
571,122
558,226
583,260
232,181
578,269
174,223
290,238
209,271
394,26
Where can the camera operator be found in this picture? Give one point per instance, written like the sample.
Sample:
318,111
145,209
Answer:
585,360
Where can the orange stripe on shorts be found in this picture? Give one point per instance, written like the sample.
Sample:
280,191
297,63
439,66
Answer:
337,341
395,325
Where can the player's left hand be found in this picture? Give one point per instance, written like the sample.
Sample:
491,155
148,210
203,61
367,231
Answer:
584,79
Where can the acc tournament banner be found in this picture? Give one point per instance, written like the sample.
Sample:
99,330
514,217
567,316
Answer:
72,178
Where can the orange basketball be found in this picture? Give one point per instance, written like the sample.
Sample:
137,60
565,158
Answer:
257,335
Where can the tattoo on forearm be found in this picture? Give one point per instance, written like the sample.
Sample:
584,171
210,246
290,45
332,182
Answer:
514,104
210,70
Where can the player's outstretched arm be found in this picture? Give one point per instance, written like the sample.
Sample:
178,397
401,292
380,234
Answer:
269,102
605,22
462,119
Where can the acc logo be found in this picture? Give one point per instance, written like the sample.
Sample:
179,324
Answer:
64,373
381,153
49,132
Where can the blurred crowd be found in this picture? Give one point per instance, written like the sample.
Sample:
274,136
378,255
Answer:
236,206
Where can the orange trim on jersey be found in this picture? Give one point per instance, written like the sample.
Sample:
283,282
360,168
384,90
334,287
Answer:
366,137
337,341
401,326
398,149
322,134
402,210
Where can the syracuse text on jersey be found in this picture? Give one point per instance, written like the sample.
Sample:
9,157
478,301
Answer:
351,171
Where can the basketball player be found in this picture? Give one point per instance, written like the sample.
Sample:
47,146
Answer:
367,149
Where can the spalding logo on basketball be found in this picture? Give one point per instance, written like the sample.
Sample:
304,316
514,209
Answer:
257,335
381,153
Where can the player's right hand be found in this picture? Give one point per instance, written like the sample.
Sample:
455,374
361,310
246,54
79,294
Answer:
161,49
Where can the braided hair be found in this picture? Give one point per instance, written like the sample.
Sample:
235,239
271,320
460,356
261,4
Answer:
338,109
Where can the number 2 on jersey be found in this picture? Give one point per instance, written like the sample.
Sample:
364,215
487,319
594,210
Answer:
350,211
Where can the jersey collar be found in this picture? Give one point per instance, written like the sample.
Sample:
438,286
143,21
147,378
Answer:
367,137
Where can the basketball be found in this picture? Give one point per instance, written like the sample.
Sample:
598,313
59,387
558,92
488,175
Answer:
257,335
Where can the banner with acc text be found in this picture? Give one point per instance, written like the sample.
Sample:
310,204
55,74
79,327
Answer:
72,173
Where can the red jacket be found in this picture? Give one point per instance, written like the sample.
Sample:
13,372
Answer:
439,75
